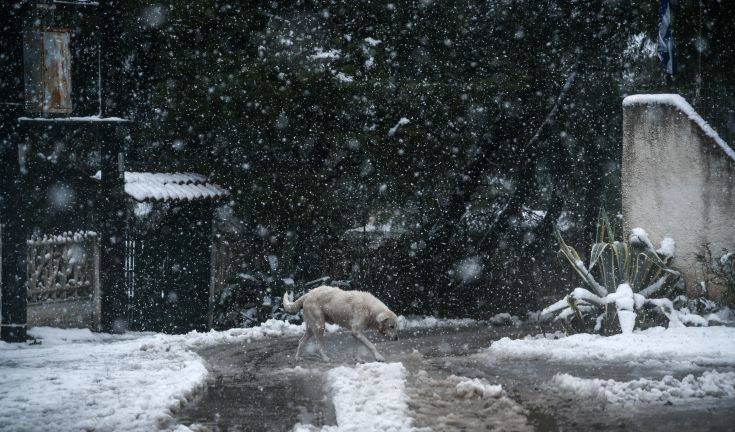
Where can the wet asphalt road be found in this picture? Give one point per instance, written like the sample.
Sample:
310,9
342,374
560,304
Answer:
255,388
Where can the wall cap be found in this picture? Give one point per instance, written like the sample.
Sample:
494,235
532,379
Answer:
683,106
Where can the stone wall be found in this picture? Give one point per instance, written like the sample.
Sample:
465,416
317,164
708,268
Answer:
678,179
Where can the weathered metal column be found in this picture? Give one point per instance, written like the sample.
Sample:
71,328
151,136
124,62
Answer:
13,235
111,218
12,232
112,200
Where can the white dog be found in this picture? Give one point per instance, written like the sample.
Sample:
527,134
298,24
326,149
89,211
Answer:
352,310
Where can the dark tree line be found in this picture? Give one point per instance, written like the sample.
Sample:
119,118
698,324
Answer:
473,128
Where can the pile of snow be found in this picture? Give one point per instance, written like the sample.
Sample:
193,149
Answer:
410,323
78,380
710,384
505,318
433,322
369,397
270,328
682,105
476,387
682,345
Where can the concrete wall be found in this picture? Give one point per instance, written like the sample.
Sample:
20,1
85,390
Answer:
677,180
71,313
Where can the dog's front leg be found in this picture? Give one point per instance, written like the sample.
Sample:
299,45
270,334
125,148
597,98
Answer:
365,341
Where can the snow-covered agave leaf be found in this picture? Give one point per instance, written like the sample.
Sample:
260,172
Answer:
576,261
561,304
583,294
596,253
621,261
639,276
605,232
654,287
607,268
650,268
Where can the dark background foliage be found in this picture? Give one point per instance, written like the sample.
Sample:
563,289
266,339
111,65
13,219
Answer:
512,107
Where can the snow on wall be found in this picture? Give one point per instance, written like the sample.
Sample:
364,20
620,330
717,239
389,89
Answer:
678,178
682,105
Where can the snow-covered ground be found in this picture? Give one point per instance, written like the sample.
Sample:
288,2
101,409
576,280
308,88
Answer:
697,351
681,346
708,385
431,322
410,323
368,397
79,380
372,397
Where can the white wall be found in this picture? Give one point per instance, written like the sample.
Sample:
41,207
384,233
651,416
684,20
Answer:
678,179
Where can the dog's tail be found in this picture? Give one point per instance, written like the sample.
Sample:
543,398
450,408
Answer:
292,307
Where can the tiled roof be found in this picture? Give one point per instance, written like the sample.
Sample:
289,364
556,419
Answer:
145,186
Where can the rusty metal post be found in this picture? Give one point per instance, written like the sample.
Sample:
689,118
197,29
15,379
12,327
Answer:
13,217
111,218
96,289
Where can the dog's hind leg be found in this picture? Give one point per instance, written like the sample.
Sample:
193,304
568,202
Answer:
365,341
302,342
319,335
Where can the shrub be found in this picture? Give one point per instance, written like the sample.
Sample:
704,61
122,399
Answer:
719,273
630,274
252,298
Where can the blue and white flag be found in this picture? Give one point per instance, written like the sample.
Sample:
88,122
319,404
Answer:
666,47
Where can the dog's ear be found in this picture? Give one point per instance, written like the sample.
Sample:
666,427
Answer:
381,319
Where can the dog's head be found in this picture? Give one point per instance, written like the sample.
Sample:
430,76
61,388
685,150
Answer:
388,325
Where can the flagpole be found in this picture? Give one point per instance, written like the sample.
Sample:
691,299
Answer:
698,91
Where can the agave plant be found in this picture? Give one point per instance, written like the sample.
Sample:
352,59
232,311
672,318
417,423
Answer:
621,281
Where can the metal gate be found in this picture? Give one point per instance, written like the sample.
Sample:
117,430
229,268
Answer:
167,271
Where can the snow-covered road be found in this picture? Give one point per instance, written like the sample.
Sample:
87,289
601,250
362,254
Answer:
441,375
74,379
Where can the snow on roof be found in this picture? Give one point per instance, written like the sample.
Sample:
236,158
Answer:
683,106
146,186
93,118
66,237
